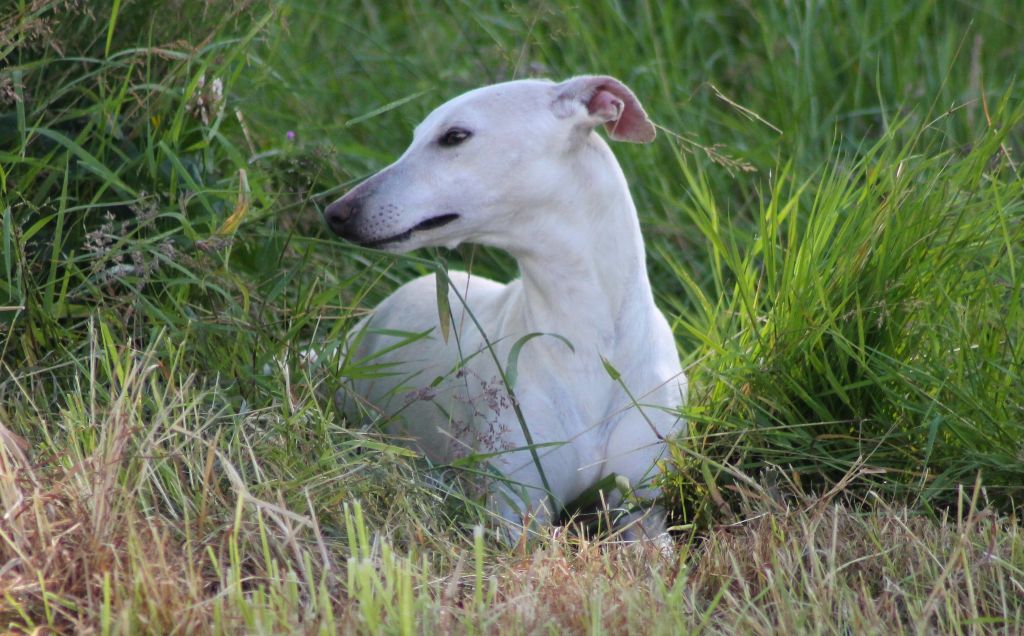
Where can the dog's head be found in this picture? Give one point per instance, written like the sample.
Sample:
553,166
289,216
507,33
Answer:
481,164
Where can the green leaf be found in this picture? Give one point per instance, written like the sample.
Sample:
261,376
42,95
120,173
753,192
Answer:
444,309
512,362
88,160
383,109
612,372
110,26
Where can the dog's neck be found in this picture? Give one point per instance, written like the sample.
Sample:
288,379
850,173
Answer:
584,273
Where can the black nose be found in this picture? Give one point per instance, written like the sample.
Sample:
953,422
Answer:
339,213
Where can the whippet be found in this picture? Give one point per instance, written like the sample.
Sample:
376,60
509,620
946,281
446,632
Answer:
519,166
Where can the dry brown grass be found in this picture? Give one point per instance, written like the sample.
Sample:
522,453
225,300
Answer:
78,554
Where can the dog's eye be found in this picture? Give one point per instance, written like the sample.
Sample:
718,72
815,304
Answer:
454,137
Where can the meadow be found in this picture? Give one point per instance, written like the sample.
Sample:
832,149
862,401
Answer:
833,211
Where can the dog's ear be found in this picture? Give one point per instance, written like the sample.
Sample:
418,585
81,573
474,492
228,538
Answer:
607,101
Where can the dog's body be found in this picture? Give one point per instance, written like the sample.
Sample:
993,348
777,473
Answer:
518,166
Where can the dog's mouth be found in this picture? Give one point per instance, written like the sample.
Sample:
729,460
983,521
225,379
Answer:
428,224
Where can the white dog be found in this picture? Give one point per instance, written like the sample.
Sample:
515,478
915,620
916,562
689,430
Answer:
518,166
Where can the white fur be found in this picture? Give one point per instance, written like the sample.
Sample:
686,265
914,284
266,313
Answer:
533,179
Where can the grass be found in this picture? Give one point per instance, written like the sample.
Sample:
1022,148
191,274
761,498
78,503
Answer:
834,217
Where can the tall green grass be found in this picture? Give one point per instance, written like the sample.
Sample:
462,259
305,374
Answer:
873,316
833,214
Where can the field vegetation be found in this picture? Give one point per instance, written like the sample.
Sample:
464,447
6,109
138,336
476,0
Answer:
834,214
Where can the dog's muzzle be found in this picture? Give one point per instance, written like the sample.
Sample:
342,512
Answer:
341,216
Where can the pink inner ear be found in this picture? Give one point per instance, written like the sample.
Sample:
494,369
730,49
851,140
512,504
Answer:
605,105
607,101
624,117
